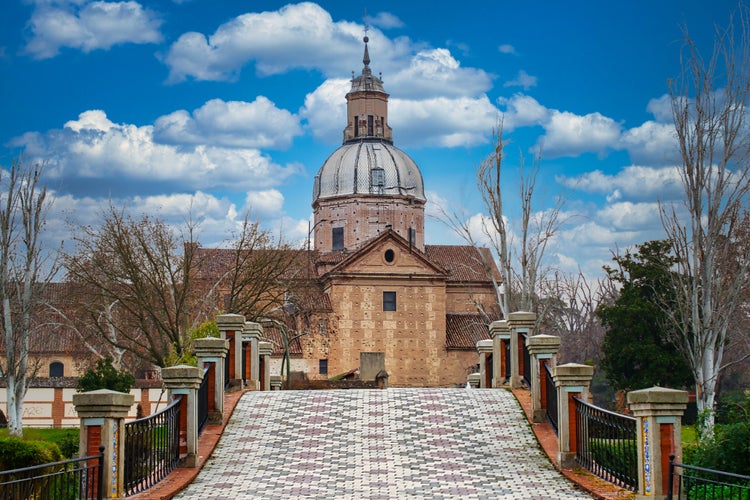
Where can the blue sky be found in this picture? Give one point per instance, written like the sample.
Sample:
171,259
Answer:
219,107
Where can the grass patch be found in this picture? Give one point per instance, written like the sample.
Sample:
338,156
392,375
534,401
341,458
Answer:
689,435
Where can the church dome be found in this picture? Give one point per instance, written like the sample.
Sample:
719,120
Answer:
365,167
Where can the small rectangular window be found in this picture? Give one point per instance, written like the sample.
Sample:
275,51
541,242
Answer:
389,301
323,366
370,125
412,236
338,238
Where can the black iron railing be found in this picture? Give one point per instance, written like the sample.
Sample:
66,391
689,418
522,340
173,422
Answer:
526,359
152,448
203,401
79,478
551,391
606,444
697,482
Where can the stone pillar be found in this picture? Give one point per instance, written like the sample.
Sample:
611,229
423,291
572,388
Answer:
183,380
251,333
473,380
499,333
230,327
658,412
265,349
102,414
542,348
485,348
275,382
570,380
519,322
213,351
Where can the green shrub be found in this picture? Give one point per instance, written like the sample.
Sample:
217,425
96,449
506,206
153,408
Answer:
18,453
105,376
728,451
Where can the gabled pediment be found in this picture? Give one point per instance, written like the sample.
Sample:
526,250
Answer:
388,254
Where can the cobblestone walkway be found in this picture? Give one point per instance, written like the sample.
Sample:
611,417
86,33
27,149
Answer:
395,443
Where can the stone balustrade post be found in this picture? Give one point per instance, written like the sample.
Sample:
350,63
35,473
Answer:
519,322
571,380
473,380
275,382
265,349
213,351
183,380
230,327
658,412
251,334
542,348
500,335
485,348
102,413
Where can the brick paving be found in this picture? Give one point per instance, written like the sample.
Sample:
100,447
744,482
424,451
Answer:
395,443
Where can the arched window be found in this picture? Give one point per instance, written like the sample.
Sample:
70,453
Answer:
56,369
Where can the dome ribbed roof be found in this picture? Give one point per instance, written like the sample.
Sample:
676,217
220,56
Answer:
368,167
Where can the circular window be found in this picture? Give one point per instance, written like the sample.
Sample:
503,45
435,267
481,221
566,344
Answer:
389,256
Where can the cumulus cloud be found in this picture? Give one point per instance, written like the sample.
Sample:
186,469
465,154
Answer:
522,79
296,36
93,151
523,111
629,216
257,124
651,143
631,183
436,72
568,134
325,111
89,26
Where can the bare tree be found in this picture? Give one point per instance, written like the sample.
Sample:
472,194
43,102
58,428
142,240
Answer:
536,230
709,106
136,280
23,276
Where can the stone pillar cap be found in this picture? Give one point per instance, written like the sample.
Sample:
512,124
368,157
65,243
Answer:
658,395
182,376
484,346
252,330
539,344
265,348
499,327
573,374
230,321
211,346
521,319
103,403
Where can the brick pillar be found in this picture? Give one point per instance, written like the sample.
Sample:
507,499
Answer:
541,349
570,380
185,380
214,351
251,333
102,414
659,413
265,349
499,333
230,327
519,322
485,348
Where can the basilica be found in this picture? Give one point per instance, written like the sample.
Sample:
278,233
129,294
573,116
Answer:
381,289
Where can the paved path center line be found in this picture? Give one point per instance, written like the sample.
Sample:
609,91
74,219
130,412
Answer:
395,443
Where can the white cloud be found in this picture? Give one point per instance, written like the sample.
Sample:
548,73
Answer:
435,72
126,158
522,79
523,111
635,183
442,122
651,143
257,124
325,110
296,36
89,26
264,203
661,108
568,134
628,216
385,20
506,49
